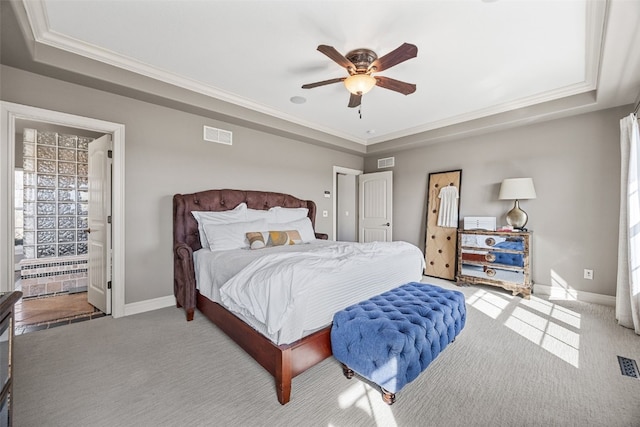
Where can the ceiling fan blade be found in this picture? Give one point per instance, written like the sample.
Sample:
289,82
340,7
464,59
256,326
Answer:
355,100
322,83
336,56
395,85
401,54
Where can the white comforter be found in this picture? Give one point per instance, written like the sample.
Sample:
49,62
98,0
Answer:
268,288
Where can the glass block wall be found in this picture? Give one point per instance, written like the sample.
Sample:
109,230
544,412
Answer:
55,209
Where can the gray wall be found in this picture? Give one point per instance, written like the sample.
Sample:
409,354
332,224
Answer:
574,163
165,154
575,166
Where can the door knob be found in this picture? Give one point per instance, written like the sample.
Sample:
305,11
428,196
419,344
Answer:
88,230
387,224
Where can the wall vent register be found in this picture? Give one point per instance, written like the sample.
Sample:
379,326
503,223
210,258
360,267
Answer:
387,162
220,136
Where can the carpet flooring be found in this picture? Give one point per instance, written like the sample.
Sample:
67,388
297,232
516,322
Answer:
516,363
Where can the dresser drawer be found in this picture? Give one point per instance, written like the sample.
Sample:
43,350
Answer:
508,243
493,273
511,259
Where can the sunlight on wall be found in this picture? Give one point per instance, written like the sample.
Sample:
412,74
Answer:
548,325
369,400
560,289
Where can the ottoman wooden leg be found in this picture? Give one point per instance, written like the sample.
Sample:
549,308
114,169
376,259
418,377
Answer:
348,372
388,397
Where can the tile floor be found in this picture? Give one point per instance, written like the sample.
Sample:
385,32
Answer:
34,314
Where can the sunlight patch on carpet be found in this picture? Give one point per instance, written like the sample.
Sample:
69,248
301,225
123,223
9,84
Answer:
548,325
369,400
552,328
488,303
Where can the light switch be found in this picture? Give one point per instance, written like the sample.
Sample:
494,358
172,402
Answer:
325,214
346,213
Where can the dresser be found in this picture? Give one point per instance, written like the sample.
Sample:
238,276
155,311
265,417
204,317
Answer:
495,258
7,320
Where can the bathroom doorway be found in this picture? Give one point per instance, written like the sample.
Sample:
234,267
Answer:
51,183
11,117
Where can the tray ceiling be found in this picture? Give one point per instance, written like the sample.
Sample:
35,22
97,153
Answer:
476,59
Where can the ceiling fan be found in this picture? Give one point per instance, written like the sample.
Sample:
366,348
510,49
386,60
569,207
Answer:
361,64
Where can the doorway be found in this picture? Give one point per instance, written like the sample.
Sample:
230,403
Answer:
12,115
345,204
362,205
51,249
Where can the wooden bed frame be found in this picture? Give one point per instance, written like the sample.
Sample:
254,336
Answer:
284,362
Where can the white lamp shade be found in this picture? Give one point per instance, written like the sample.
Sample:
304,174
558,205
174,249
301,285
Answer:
359,84
517,189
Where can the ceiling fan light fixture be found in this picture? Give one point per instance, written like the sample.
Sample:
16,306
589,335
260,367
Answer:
359,84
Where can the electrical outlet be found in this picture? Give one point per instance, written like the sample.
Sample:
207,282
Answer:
588,274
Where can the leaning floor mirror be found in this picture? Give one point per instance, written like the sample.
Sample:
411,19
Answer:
443,210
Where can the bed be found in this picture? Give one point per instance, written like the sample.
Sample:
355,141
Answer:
303,341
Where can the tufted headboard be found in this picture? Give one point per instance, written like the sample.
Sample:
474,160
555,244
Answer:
186,239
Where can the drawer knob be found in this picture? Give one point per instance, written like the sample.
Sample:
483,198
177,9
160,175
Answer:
490,272
490,257
490,241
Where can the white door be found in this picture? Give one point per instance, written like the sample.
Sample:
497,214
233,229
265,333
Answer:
376,206
99,287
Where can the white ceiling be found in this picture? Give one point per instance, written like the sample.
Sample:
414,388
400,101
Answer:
476,58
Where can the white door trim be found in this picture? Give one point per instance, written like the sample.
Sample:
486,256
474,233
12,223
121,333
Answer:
10,112
336,171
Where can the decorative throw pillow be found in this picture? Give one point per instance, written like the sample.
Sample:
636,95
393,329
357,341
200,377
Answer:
263,239
303,226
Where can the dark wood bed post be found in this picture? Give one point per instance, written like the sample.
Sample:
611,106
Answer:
283,377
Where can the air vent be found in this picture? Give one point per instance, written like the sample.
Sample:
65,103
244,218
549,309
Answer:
218,135
628,367
389,162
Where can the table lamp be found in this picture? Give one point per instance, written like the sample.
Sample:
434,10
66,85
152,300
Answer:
517,189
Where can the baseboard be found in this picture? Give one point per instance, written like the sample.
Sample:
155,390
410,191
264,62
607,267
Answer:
556,293
149,305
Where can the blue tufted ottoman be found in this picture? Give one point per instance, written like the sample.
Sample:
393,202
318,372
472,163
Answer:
391,338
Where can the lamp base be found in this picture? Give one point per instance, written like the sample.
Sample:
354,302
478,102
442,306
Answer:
516,217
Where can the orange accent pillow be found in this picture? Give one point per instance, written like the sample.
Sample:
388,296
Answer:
264,239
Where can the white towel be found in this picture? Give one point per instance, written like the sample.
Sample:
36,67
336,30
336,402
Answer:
448,214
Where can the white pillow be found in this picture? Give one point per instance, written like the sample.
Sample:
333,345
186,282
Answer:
237,214
289,214
255,214
303,226
224,237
